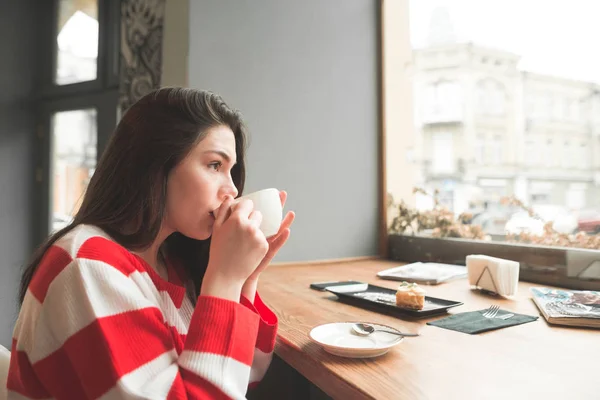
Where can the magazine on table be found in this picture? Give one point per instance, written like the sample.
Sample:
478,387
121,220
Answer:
568,307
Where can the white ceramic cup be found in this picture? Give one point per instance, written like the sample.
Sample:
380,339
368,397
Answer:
267,201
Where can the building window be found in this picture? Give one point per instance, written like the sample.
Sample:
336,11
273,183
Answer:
442,102
584,156
443,153
574,110
529,153
479,151
491,98
566,155
497,150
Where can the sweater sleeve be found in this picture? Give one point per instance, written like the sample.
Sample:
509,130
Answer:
265,342
94,331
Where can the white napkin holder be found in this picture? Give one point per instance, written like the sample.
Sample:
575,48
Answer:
493,275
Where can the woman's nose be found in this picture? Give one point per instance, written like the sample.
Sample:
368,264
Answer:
231,190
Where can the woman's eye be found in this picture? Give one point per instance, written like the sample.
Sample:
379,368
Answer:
215,165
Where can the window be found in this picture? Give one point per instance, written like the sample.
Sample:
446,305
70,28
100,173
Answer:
442,153
490,98
530,156
73,160
442,102
549,159
544,103
527,130
496,150
559,110
566,155
479,154
77,41
595,110
574,111
584,156
78,99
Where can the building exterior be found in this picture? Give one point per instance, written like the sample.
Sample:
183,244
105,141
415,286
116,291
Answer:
485,129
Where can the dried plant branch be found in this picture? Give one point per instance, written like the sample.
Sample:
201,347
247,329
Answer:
439,220
550,237
441,223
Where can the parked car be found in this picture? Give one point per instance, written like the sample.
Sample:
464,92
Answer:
493,220
589,221
563,220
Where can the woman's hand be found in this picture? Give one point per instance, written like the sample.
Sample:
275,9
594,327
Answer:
236,250
276,242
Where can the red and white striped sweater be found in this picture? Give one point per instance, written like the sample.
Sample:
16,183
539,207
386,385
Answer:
98,322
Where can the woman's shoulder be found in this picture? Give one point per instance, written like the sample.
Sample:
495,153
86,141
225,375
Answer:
81,237
74,255
91,243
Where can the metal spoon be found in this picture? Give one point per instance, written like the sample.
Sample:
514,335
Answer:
366,329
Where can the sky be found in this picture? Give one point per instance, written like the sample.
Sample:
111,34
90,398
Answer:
554,37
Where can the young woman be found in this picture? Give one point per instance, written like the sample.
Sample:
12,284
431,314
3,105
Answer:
151,291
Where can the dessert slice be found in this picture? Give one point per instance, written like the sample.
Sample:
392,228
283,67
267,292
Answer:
410,295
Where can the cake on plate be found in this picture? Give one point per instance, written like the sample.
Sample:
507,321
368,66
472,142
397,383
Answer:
410,295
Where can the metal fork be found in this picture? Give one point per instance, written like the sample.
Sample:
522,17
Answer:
491,312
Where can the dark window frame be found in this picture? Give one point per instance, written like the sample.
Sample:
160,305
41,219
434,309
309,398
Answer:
101,94
107,76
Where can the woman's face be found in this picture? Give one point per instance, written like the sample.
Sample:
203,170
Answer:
199,183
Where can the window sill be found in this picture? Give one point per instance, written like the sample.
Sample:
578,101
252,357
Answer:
555,266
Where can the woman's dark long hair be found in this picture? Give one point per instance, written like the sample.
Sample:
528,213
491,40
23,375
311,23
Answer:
126,196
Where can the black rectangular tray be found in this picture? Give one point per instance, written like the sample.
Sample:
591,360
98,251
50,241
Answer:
383,299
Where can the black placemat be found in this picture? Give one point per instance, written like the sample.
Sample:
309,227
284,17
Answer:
474,322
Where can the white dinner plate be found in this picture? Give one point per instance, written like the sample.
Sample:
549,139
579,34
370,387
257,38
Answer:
338,338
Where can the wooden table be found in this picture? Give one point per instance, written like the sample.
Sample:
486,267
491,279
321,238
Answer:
529,361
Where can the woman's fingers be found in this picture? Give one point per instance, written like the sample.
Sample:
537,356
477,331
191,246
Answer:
243,208
255,218
223,212
288,220
275,245
283,197
285,224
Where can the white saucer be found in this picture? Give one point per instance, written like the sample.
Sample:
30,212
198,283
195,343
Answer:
339,339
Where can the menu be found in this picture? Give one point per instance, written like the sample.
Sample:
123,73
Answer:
427,273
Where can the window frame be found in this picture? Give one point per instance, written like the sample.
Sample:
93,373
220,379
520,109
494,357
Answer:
106,104
101,94
107,73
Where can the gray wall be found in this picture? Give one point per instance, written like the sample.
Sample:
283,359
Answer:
16,146
305,76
